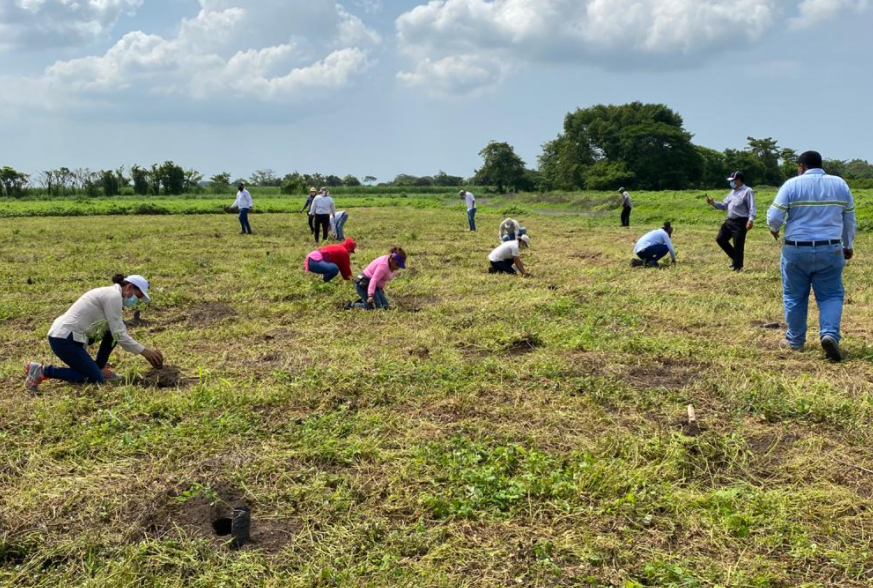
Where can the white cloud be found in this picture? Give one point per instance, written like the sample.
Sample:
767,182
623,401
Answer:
813,12
456,75
40,24
265,50
617,34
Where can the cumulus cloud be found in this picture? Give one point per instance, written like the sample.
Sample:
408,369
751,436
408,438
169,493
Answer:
456,75
41,24
813,12
266,50
441,36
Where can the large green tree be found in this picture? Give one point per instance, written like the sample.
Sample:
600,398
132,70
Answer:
501,168
767,151
646,140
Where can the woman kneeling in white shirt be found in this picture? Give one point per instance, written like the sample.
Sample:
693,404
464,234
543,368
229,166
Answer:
96,314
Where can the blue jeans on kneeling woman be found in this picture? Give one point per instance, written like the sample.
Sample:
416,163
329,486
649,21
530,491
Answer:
324,268
378,297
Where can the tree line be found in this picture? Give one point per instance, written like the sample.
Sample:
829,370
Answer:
638,146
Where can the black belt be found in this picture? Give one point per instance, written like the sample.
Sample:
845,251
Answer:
813,243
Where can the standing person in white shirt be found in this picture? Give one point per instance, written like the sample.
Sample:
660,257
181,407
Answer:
741,213
96,315
626,205
653,246
507,255
323,209
471,207
244,204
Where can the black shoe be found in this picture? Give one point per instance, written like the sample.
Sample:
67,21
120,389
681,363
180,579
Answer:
737,269
831,348
348,305
652,264
637,262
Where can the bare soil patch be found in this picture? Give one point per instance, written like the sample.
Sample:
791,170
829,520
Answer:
168,376
666,372
210,313
206,511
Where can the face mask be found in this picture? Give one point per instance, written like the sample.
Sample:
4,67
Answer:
734,185
131,301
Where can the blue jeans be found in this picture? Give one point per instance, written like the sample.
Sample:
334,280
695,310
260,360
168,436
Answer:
378,297
324,268
339,221
83,369
652,254
508,237
471,217
819,268
244,220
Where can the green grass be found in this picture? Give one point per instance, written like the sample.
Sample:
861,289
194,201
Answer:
487,431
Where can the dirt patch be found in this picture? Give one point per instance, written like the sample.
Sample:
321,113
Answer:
210,313
413,303
421,352
767,325
207,510
168,376
664,373
586,255
524,345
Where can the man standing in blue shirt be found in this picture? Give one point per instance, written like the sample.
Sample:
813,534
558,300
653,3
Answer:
819,234
741,213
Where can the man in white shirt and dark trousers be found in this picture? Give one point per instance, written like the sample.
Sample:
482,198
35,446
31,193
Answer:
653,246
243,203
323,209
741,213
508,254
818,211
471,207
626,205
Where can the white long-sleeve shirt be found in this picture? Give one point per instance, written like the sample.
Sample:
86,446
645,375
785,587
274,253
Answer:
95,313
626,199
243,199
323,205
470,200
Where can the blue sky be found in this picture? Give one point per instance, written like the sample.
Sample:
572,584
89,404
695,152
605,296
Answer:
384,87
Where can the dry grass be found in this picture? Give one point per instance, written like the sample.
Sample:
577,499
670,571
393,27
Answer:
488,431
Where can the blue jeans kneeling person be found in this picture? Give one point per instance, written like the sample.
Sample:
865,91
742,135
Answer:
325,269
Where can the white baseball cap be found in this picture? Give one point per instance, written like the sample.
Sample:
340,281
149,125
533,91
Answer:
526,240
141,283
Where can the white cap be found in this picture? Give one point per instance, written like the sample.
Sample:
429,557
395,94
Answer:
526,240
141,283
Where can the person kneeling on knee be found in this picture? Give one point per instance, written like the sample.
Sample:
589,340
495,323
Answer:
506,257
330,260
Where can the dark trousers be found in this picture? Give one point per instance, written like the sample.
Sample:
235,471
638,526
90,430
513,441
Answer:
244,220
83,369
652,254
311,222
625,216
503,267
733,228
322,221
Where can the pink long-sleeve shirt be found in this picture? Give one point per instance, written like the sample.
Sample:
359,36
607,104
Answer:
379,274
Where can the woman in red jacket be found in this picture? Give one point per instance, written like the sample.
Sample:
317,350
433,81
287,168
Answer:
330,260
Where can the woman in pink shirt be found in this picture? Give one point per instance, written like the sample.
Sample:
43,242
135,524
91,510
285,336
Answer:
370,285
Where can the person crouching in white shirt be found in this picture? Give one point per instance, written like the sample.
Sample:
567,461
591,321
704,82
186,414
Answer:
508,254
97,314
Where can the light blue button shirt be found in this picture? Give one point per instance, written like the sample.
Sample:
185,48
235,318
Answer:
740,203
656,237
818,207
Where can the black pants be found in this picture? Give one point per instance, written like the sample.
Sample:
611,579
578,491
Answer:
503,267
311,222
625,216
733,228
322,221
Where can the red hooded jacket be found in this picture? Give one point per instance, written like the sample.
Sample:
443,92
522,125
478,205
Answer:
339,254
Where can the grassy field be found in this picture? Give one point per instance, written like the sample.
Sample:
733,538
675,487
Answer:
487,431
